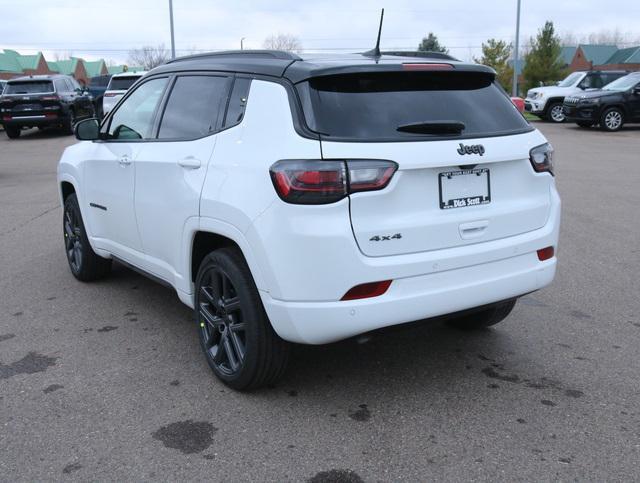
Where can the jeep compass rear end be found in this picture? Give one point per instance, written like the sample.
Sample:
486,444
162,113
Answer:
311,200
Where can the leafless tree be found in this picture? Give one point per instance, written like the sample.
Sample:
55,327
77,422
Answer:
63,55
287,42
149,56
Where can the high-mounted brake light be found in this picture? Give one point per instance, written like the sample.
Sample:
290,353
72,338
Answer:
367,290
317,182
423,66
542,158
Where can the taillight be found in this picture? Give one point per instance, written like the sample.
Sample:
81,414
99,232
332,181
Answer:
110,94
542,158
316,182
367,290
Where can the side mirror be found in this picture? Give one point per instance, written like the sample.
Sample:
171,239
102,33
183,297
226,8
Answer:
88,130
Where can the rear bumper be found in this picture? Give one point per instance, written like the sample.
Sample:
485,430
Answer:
32,120
452,280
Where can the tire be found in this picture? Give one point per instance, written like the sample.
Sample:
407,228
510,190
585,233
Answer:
236,336
612,119
13,132
555,113
84,263
484,318
585,124
69,122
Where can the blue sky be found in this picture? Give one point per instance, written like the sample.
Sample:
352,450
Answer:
109,28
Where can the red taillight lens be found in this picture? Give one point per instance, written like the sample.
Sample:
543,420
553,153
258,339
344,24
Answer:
315,182
367,290
546,253
424,66
110,94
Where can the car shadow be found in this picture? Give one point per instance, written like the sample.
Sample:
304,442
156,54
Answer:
39,134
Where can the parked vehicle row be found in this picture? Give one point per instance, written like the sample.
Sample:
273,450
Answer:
308,200
611,108
43,101
546,102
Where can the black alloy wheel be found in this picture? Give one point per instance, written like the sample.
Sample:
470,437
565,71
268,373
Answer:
84,263
235,333
222,324
73,239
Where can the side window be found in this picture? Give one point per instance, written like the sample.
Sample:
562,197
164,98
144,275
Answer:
134,117
61,85
195,107
70,85
237,102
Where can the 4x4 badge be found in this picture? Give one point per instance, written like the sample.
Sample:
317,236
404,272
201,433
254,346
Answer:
473,149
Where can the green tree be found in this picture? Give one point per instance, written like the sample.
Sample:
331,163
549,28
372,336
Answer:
431,44
496,54
542,64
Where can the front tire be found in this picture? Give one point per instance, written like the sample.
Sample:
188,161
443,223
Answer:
69,122
555,113
13,132
84,263
484,318
236,336
612,119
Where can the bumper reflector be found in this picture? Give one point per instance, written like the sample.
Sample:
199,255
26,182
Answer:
367,290
545,253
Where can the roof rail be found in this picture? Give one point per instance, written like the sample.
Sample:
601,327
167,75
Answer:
421,54
248,54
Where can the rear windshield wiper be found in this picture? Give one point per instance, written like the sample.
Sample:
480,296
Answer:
433,127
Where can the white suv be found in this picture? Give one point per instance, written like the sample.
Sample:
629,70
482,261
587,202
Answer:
311,200
546,102
117,87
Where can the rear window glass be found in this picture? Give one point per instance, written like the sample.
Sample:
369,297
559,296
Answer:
29,87
372,106
122,83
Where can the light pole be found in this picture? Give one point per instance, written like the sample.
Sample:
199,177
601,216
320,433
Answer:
173,40
516,54
242,43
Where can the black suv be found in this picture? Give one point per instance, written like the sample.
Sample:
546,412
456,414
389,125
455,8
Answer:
42,101
611,107
97,86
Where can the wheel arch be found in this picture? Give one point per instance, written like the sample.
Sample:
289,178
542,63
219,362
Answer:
552,100
213,234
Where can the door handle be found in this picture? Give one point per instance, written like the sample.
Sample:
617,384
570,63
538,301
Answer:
124,160
190,163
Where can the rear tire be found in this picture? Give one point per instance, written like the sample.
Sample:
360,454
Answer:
13,132
84,263
236,336
555,113
612,119
69,122
484,318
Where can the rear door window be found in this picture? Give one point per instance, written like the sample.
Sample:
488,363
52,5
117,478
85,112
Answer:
195,107
29,87
372,106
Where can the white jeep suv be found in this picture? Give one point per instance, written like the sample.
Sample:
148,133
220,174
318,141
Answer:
546,102
311,200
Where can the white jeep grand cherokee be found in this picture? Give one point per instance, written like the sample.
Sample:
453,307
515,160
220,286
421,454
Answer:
311,200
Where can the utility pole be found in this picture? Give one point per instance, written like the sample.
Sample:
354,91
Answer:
516,55
242,43
173,40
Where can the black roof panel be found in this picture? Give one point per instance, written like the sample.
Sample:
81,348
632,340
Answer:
298,68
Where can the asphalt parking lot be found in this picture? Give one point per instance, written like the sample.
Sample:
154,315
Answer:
106,381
